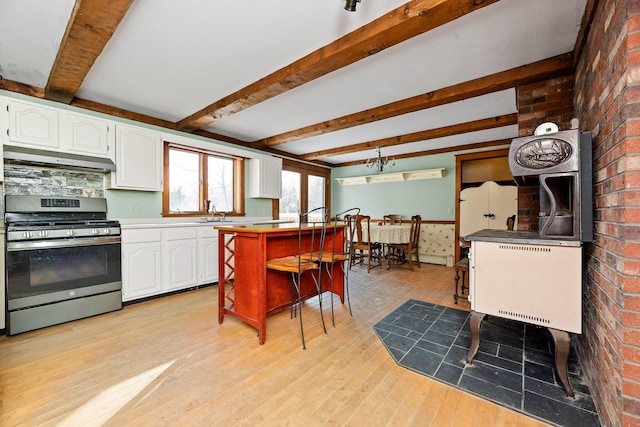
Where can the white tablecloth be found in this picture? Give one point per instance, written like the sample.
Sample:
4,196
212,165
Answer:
397,233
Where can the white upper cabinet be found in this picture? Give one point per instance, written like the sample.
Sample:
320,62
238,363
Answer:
265,175
34,125
88,135
48,128
138,159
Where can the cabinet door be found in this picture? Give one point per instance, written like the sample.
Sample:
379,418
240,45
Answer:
487,206
208,255
141,270
265,177
138,159
88,135
180,258
34,125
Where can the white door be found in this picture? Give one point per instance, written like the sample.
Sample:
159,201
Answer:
487,206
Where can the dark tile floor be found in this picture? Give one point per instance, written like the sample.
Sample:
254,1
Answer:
514,366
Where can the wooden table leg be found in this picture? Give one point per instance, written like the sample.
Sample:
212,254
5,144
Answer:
562,343
475,323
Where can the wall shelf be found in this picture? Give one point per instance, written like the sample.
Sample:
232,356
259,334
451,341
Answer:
393,177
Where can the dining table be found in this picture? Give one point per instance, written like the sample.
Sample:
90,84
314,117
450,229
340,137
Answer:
387,233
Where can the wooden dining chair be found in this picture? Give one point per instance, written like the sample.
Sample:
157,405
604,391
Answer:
336,252
307,259
360,248
399,253
392,219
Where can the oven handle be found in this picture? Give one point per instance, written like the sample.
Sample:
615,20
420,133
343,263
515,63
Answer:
65,243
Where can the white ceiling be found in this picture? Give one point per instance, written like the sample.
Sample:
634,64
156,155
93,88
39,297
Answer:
169,59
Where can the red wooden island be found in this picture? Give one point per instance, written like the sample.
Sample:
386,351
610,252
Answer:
250,292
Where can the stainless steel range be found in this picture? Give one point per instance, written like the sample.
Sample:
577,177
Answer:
63,261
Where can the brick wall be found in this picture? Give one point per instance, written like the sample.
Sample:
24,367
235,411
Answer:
546,101
607,102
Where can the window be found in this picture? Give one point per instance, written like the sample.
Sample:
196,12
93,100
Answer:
315,191
186,172
304,187
291,195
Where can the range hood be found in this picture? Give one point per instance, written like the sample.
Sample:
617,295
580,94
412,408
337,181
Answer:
31,156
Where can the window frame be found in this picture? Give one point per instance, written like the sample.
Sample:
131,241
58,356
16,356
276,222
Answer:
238,180
305,170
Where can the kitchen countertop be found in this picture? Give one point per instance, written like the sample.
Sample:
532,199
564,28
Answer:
272,227
129,223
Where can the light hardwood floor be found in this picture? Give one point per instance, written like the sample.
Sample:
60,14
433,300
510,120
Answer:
167,362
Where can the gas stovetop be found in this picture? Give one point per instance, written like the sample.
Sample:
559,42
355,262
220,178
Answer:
40,218
46,231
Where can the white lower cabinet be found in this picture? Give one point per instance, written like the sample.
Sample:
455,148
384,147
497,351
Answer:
141,263
180,259
161,260
208,255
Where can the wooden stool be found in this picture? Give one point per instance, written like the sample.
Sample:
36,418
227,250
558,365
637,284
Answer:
461,266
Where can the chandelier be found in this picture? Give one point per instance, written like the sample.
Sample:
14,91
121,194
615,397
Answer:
379,163
351,5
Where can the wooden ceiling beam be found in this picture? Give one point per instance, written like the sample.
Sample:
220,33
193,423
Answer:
142,118
25,89
119,112
407,21
537,71
459,128
472,146
91,25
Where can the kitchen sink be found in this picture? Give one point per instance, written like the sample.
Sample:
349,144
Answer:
209,219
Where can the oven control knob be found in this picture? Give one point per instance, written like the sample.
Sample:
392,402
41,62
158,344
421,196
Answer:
107,231
70,233
95,231
43,233
27,235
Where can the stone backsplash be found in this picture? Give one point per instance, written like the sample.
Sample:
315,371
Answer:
32,180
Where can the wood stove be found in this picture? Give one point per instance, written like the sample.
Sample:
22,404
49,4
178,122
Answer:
559,162
536,276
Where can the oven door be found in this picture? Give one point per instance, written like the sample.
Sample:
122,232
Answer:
43,272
